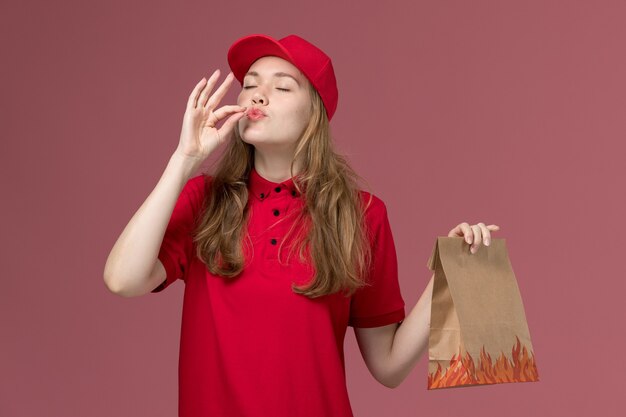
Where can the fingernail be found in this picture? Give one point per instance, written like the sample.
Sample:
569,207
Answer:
487,242
467,239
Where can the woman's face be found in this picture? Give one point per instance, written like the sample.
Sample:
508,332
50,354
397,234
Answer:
281,92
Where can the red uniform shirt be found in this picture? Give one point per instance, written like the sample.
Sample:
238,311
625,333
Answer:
250,346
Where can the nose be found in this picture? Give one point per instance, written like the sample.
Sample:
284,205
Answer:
259,97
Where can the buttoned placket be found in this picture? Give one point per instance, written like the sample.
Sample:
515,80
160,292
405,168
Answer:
276,204
275,208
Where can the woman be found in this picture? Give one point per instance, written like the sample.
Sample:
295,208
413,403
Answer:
279,249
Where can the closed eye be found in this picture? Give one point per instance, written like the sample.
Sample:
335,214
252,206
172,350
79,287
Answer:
252,86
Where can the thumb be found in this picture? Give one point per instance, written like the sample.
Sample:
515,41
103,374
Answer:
229,124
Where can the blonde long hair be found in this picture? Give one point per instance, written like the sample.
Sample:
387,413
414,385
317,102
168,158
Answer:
335,238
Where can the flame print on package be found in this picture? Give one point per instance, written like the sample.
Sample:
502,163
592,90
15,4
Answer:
462,370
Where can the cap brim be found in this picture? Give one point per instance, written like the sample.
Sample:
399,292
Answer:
243,52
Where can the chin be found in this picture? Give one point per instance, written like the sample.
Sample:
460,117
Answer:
250,135
253,139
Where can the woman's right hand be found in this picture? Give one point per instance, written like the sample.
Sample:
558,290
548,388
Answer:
199,135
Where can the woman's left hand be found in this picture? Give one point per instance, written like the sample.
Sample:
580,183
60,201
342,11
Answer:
475,234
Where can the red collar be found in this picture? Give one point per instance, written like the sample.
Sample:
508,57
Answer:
263,188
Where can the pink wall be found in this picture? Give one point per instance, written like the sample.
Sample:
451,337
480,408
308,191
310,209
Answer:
504,112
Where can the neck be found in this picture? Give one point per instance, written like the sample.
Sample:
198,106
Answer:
275,166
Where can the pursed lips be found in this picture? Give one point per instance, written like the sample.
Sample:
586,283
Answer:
255,114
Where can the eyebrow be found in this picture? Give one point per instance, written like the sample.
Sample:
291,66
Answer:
276,74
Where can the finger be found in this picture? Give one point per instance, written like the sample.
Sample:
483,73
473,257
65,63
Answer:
477,238
229,124
493,227
220,92
467,232
193,97
208,88
224,111
457,231
486,235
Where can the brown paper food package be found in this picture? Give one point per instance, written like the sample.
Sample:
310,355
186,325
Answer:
478,330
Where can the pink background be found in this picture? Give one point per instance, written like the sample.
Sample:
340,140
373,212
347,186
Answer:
504,112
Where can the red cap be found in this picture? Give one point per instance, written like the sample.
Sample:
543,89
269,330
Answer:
308,58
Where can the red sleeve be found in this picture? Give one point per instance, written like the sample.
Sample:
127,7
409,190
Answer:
177,248
381,302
